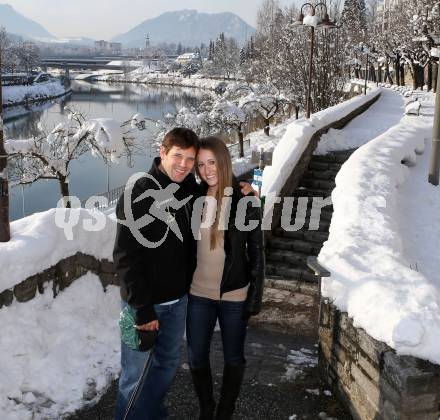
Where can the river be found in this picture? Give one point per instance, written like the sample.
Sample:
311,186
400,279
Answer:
90,175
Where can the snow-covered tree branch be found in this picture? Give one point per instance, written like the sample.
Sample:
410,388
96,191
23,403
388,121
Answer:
49,155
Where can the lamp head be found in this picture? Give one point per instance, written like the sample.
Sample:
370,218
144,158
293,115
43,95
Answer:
326,23
299,20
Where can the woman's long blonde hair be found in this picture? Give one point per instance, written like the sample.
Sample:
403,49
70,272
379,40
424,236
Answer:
224,175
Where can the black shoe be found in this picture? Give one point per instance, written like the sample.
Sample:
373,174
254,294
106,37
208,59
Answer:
232,379
202,379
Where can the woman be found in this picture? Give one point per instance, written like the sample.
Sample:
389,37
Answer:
228,282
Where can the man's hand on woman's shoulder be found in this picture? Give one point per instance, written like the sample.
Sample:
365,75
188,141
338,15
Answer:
247,189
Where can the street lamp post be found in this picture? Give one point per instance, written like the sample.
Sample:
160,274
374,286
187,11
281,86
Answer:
434,39
309,84
365,50
434,165
5,234
366,75
313,21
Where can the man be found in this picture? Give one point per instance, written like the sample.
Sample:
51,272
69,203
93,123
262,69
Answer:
155,280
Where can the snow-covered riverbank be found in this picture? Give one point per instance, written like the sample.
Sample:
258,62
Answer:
18,95
145,75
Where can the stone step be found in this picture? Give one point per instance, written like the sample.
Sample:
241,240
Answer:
335,157
291,258
324,166
305,235
312,192
299,221
326,174
321,184
309,202
292,244
283,271
313,225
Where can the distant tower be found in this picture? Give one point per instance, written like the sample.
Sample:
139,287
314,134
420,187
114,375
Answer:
147,41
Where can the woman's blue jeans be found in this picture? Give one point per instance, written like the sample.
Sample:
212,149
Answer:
149,404
200,323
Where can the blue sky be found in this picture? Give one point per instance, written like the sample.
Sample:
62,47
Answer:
102,19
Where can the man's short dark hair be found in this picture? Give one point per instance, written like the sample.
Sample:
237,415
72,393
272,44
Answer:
181,137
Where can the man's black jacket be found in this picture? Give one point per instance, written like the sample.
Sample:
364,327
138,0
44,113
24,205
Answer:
150,275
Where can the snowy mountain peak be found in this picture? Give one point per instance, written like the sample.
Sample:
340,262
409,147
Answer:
188,27
15,23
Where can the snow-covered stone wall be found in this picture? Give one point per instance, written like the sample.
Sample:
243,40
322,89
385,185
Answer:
40,241
372,277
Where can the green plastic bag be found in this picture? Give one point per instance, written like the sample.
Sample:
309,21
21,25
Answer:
135,339
127,323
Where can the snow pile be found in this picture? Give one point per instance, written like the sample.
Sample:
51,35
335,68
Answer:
296,139
40,91
298,361
40,243
386,282
413,108
58,352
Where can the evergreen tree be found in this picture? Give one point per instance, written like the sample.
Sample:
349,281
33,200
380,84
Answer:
354,21
211,50
243,55
251,49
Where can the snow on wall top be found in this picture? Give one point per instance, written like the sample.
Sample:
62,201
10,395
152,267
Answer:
297,138
37,243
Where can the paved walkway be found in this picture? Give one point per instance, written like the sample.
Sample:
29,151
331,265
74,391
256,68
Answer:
282,380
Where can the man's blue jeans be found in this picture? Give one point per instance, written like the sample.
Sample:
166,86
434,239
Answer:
149,404
200,323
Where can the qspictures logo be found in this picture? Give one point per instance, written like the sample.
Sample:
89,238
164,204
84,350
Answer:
160,205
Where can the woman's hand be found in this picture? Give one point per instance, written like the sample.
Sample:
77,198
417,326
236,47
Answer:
150,326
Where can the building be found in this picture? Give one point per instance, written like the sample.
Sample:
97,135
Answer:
115,48
101,46
187,58
108,48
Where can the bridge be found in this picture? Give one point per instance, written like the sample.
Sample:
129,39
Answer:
101,63
90,64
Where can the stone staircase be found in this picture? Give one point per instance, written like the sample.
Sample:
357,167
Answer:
287,251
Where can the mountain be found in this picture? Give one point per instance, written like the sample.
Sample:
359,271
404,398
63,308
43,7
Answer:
16,23
188,27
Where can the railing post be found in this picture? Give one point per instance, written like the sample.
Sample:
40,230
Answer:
5,234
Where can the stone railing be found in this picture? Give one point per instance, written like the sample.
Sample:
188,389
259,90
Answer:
370,378
60,276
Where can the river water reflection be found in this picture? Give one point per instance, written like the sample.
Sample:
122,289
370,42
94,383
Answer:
95,100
